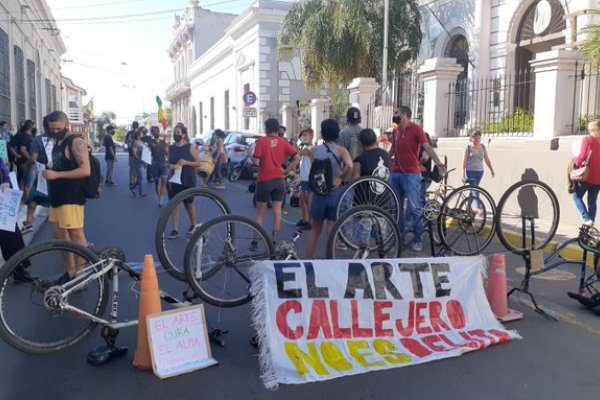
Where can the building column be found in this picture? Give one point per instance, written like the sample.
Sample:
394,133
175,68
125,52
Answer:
288,120
319,111
362,95
556,97
437,75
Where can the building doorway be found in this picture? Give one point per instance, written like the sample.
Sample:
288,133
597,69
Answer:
458,48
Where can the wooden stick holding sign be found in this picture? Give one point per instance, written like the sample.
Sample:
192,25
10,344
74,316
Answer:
178,341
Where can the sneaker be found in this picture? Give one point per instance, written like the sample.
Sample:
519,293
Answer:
21,275
142,194
339,245
132,191
219,186
173,235
589,222
191,230
306,226
300,223
416,246
27,227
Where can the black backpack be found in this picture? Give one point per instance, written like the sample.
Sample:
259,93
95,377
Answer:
92,185
320,177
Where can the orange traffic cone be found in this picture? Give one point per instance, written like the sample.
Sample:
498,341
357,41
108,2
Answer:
496,291
149,304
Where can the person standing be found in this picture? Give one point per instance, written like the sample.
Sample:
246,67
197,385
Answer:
110,154
270,154
129,138
323,207
349,136
219,158
305,148
137,147
474,156
406,169
589,155
373,161
66,180
6,137
21,143
160,171
183,160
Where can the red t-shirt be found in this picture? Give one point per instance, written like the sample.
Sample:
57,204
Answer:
272,151
407,144
592,144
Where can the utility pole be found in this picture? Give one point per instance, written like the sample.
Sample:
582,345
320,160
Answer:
386,22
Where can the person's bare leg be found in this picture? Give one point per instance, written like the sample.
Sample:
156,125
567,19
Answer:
77,236
191,212
31,212
61,234
315,232
175,219
276,219
261,209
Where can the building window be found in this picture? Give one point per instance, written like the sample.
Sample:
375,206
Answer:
4,78
201,117
226,109
20,84
48,96
212,113
53,99
246,120
31,91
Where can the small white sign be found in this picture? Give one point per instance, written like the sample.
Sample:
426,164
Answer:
42,184
146,155
10,199
178,341
13,180
249,112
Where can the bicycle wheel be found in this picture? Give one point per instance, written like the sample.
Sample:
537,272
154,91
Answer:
527,217
219,256
170,247
33,318
369,191
466,223
364,232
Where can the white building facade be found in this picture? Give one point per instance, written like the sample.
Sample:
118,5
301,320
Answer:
30,77
243,59
485,59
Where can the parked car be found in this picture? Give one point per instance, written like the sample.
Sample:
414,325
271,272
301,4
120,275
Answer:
237,144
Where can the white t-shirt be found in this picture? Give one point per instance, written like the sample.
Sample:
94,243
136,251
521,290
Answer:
305,164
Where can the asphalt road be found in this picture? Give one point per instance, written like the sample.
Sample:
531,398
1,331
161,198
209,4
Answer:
554,360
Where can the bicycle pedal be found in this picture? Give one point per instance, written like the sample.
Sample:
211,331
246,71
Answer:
589,302
104,354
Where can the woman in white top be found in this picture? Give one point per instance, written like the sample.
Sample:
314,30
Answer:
305,146
474,156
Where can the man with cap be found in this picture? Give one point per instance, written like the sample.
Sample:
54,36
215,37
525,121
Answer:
349,136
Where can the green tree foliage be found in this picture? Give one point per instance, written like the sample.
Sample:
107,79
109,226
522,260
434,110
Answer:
120,134
101,121
343,39
591,46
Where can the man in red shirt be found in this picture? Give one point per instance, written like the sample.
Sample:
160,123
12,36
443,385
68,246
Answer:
406,169
271,154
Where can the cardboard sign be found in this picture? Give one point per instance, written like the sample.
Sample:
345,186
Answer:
146,155
324,319
178,341
10,199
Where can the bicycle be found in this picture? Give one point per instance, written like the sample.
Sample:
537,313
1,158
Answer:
63,314
170,249
527,220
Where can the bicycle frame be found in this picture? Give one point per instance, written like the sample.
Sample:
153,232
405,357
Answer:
113,266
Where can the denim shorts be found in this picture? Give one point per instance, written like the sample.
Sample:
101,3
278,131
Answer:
324,207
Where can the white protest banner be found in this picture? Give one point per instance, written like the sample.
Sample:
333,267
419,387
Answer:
178,341
146,155
176,178
325,319
4,150
13,180
42,184
10,199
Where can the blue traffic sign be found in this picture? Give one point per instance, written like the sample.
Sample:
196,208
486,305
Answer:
249,98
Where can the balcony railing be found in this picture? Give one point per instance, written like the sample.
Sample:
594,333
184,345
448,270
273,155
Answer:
178,88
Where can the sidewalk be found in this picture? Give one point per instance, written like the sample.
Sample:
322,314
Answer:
41,215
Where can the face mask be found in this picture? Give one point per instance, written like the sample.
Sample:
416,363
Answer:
156,135
177,138
60,135
396,119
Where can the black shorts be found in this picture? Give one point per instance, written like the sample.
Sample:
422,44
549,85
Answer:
273,190
173,189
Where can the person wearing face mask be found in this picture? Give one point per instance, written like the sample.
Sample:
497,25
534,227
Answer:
110,155
406,169
182,156
474,156
66,180
159,169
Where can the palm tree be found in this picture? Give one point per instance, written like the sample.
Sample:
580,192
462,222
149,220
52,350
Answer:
343,39
591,46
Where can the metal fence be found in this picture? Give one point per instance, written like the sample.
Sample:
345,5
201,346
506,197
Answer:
496,105
586,96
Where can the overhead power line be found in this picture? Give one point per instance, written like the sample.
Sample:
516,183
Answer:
96,5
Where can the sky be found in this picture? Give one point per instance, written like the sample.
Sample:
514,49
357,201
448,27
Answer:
122,63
